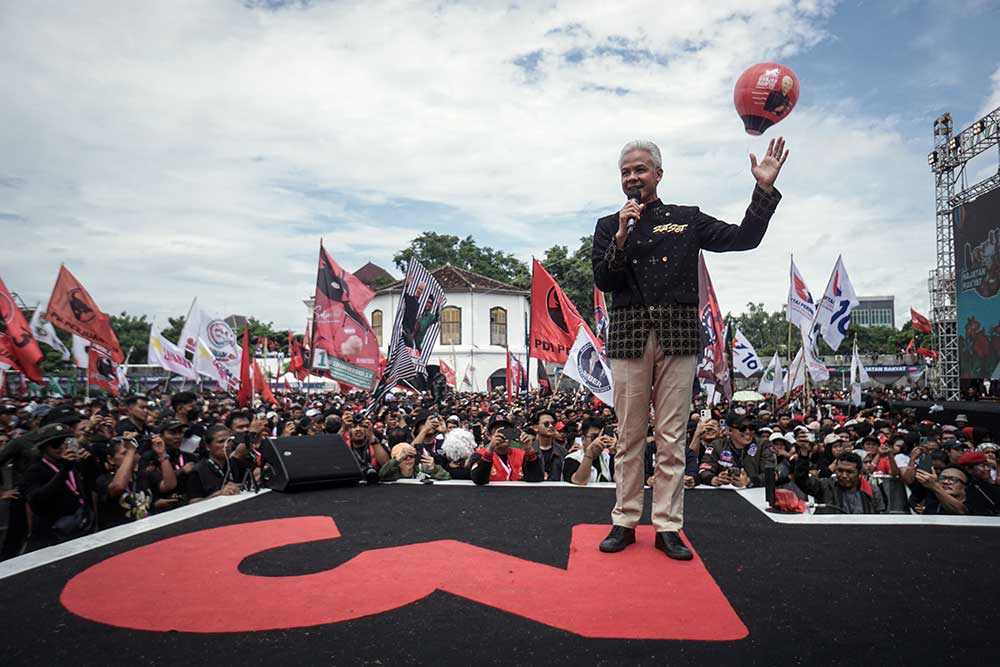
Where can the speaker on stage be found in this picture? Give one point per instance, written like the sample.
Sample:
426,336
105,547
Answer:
308,462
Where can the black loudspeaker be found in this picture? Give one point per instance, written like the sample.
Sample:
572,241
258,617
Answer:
308,462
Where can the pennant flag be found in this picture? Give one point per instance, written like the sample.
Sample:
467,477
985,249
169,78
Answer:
102,371
745,359
244,397
260,385
919,322
161,352
517,376
448,372
600,318
801,310
72,309
834,313
796,375
81,353
414,330
810,343
586,364
773,381
343,343
713,365
554,318
859,376
206,365
45,333
20,350
216,333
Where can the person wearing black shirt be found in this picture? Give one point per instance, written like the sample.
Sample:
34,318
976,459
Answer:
135,422
57,491
219,474
551,452
126,492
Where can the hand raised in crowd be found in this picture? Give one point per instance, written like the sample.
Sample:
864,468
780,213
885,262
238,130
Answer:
159,447
525,440
927,479
258,424
426,462
496,440
594,449
288,429
915,454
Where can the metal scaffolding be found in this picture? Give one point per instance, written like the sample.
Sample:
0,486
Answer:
948,161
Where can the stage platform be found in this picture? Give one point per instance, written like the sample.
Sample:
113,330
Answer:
507,574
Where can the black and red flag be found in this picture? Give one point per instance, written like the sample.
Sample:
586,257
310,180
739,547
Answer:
343,343
448,372
72,309
245,395
102,369
554,318
919,322
600,319
713,366
297,362
18,347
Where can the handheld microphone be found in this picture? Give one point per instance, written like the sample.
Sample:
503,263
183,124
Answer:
635,194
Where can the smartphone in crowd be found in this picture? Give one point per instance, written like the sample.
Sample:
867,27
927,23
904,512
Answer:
511,434
706,414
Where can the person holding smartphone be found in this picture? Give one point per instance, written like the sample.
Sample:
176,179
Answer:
499,461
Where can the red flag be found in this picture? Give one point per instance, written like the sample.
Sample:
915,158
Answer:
288,387
919,322
343,343
714,365
102,371
245,396
930,354
260,384
554,318
448,372
600,318
72,309
296,364
3,383
18,348
507,380
910,346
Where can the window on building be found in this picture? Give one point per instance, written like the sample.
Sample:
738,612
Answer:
498,326
451,325
377,325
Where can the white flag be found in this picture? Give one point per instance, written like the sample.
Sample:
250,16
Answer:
796,375
217,335
206,364
81,354
587,365
122,373
817,369
859,376
773,381
168,356
745,359
834,312
44,332
801,309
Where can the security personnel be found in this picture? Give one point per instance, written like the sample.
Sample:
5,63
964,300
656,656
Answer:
645,258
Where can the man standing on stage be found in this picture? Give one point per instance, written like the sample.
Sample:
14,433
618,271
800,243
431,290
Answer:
645,257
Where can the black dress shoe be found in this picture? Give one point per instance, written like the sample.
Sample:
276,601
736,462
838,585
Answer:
670,543
619,538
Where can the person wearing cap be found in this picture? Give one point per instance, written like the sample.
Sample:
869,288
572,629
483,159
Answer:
982,495
961,421
57,491
500,462
453,422
736,459
429,429
172,432
990,450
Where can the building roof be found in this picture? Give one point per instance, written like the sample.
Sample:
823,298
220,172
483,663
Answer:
372,273
453,279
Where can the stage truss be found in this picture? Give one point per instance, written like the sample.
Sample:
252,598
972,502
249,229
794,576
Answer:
952,152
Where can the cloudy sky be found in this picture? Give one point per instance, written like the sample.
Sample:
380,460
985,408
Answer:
167,150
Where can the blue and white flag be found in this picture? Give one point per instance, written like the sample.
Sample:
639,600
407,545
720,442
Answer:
834,313
745,359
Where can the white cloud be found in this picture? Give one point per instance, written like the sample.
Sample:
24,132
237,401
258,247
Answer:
171,149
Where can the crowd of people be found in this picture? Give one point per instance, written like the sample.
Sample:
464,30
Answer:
81,465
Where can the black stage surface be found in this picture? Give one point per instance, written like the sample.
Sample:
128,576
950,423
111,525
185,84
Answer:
805,594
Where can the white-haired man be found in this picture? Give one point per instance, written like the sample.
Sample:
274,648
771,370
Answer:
645,258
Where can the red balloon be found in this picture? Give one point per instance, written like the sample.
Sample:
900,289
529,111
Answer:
764,95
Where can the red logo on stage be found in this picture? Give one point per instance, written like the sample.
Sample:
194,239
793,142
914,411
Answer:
639,594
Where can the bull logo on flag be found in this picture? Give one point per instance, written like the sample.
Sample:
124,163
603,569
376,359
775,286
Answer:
555,309
81,311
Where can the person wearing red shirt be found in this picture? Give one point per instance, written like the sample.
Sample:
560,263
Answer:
499,462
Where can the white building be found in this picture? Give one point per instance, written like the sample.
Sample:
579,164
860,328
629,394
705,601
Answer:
480,320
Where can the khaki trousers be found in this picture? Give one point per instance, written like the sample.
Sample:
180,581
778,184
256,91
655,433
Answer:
668,381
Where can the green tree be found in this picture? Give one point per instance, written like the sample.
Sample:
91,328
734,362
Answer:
767,332
133,334
434,250
258,329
